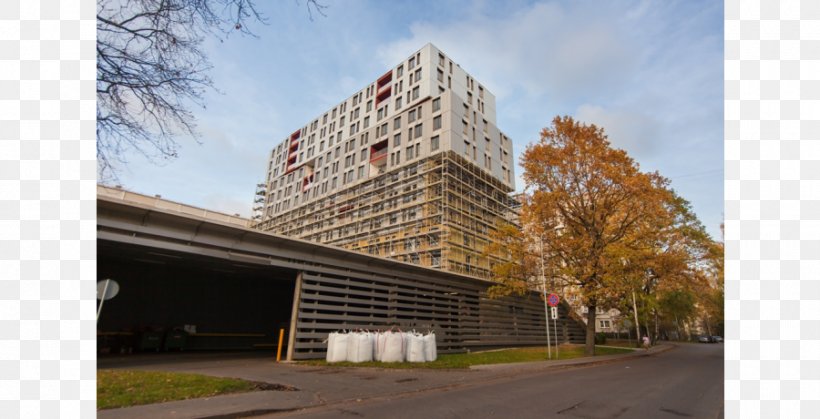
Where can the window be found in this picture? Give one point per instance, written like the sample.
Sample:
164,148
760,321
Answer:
440,75
418,74
411,116
383,129
434,143
415,93
398,102
399,71
369,105
417,132
361,172
409,152
397,140
441,60
436,104
364,155
397,123
411,63
366,121
437,122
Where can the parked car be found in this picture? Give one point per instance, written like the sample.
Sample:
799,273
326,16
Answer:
705,339
717,339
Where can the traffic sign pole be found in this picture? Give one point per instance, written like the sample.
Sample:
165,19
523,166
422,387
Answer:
553,302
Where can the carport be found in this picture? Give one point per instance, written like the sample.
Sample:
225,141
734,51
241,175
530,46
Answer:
219,304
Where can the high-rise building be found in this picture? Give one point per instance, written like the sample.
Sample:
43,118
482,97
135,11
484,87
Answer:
411,167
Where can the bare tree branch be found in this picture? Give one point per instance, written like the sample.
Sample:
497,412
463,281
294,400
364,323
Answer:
151,70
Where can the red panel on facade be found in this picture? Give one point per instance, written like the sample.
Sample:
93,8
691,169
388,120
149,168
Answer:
383,95
384,80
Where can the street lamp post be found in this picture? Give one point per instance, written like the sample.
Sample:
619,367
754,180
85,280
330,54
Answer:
544,290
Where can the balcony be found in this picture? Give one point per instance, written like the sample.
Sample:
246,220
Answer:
378,155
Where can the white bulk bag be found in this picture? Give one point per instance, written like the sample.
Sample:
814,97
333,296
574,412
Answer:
430,353
337,351
393,347
415,347
331,344
360,347
379,339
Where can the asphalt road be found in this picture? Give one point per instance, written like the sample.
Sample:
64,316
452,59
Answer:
686,382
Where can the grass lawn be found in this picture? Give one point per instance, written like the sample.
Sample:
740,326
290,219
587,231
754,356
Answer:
122,388
505,356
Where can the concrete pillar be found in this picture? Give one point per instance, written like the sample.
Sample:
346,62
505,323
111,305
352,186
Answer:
294,315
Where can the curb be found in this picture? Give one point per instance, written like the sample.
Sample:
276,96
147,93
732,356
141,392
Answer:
577,362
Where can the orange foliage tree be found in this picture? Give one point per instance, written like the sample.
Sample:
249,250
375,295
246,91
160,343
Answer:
588,201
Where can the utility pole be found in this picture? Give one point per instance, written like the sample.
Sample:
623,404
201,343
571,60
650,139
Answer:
635,310
544,290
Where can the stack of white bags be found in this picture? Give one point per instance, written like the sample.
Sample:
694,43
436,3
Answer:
386,346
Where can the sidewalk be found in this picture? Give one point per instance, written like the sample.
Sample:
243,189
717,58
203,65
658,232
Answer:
319,385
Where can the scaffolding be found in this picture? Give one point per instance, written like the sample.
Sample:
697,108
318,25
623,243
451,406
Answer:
437,212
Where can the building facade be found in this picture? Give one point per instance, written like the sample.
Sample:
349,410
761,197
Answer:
411,167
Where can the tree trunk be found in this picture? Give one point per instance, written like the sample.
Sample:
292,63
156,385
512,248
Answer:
677,327
657,332
589,349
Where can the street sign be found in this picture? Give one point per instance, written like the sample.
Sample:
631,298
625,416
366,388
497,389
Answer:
554,313
107,289
552,300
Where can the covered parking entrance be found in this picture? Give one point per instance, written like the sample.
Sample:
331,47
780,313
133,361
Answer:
170,300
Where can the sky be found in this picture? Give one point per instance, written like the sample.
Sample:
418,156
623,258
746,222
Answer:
649,72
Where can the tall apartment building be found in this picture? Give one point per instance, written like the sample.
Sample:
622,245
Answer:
411,167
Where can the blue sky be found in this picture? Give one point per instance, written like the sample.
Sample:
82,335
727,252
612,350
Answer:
649,72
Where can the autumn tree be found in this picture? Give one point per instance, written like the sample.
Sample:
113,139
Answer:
587,199
517,274
151,69
665,256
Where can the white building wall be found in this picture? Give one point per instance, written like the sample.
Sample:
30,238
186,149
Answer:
345,134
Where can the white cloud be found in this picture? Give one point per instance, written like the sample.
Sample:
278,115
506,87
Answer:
547,48
636,132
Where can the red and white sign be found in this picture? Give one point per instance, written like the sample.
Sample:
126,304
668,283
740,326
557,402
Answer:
552,300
